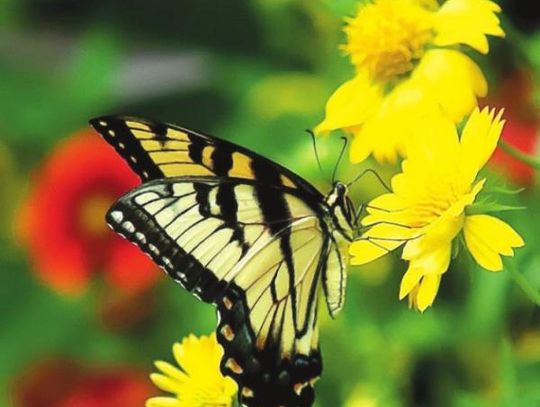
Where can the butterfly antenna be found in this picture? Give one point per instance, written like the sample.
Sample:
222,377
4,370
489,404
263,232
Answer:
310,132
345,141
373,172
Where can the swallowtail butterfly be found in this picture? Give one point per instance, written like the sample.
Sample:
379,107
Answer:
244,234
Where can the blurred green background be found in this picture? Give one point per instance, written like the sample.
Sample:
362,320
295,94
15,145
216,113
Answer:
256,72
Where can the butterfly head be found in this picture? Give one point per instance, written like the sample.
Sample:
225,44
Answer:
342,209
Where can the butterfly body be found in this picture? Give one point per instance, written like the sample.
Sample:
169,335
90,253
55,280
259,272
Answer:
244,234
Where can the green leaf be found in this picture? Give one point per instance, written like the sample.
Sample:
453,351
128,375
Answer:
479,208
498,189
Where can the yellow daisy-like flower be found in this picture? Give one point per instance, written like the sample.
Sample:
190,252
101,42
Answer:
406,61
198,382
427,207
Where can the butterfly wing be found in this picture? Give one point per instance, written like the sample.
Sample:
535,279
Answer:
259,262
156,150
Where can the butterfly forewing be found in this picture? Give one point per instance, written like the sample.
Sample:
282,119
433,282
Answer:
155,150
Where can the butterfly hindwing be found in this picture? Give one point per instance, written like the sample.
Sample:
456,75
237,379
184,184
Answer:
261,270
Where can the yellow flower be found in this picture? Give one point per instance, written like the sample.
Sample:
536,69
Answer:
198,382
406,62
427,207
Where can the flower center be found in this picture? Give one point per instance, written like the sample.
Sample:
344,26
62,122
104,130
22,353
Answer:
92,215
386,36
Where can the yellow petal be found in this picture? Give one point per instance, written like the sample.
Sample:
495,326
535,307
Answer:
385,203
429,286
384,141
435,237
410,280
467,22
422,278
363,251
390,209
376,242
165,383
393,126
488,238
351,104
436,139
434,261
479,140
361,145
453,78
169,370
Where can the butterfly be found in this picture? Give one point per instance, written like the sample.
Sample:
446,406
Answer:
245,234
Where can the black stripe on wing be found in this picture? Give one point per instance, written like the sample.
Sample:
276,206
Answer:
275,211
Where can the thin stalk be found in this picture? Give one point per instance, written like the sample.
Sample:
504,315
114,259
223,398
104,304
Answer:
524,284
514,152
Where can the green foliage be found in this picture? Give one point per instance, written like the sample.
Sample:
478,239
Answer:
44,99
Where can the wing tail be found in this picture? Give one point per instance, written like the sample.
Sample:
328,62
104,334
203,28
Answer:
266,379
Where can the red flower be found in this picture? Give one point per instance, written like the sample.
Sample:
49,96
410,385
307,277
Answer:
515,95
110,389
61,383
63,220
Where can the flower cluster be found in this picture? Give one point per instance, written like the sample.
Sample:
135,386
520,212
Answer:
427,208
406,61
413,87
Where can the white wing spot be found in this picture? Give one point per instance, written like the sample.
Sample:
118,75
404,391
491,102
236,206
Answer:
117,216
181,276
102,123
140,237
127,225
153,249
166,261
111,133
121,145
133,159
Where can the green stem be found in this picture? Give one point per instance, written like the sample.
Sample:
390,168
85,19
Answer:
524,284
514,152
